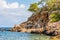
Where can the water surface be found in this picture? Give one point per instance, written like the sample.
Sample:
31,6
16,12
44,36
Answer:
6,35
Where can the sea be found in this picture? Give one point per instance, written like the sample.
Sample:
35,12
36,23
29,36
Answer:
7,35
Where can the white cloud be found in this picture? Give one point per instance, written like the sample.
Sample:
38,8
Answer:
22,6
11,13
14,5
13,16
4,4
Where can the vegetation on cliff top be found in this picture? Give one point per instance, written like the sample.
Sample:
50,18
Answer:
47,5
45,18
54,17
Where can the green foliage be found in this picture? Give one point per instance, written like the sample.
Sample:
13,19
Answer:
50,6
33,7
54,17
53,4
53,20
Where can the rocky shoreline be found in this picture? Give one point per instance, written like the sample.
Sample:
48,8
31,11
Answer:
45,19
38,24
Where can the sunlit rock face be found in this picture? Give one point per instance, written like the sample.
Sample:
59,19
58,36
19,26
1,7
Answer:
39,23
53,28
35,23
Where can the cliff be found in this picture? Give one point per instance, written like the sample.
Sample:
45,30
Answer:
35,23
39,23
45,19
53,28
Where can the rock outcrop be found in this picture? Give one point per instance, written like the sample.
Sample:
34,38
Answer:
53,28
39,23
34,24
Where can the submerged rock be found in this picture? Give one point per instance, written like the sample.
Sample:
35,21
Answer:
55,37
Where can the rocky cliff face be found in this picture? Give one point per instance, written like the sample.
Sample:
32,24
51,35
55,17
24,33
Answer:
53,28
38,24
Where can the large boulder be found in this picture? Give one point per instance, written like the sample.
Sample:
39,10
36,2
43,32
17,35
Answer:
53,28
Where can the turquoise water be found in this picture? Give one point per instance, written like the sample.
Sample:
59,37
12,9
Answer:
6,35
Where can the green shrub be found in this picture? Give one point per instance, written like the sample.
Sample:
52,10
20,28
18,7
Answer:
53,20
54,17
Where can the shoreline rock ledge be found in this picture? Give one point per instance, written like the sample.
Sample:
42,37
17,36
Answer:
53,28
38,24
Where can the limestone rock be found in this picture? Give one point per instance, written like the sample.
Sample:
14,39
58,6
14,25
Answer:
53,28
33,23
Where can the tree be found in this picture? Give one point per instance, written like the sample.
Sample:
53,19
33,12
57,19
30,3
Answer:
33,7
54,16
53,4
50,6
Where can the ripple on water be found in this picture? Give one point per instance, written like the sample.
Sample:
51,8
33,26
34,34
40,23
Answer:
22,36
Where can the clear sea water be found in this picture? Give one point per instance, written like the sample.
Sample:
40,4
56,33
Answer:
6,35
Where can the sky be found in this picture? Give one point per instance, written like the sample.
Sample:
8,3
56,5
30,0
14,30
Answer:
14,12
